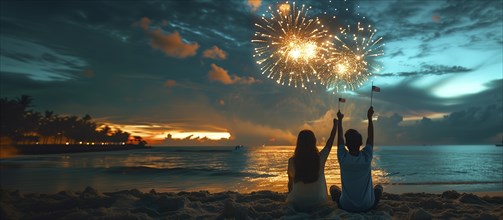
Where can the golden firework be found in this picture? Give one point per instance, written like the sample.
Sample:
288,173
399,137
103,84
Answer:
290,47
354,60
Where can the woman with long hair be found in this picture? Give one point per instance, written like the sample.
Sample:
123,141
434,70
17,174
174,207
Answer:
307,187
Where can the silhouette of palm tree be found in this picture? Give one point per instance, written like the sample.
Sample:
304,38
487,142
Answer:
45,129
22,124
25,101
119,136
15,118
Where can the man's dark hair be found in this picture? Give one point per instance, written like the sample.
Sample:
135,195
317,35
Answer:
353,139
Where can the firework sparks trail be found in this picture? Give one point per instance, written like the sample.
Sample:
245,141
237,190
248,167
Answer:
354,62
298,51
290,47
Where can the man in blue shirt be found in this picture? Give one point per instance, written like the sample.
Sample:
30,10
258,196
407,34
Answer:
357,194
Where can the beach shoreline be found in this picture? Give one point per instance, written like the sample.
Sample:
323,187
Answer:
135,204
38,149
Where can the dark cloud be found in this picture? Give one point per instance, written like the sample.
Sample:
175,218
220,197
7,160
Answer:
470,126
399,52
469,119
394,18
436,27
427,69
226,24
409,100
470,14
14,82
130,78
424,51
38,61
492,94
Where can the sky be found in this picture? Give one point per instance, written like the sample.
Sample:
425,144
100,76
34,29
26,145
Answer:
182,73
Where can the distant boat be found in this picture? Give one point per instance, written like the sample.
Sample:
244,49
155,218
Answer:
500,145
239,148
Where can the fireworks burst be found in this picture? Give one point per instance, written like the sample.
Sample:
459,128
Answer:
290,47
298,51
354,62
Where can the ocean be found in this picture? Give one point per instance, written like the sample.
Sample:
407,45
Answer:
433,169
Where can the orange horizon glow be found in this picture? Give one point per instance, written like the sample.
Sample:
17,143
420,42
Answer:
430,116
196,134
157,133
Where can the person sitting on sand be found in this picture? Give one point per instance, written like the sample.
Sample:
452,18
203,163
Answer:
306,171
357,194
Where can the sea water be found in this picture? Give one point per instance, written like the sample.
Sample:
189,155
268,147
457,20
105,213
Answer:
474,168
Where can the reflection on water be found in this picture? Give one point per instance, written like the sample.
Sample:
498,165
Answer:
470,168
274,161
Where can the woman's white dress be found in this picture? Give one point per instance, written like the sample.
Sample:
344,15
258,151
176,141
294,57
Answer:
306,196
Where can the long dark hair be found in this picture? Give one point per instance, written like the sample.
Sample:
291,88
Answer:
306,158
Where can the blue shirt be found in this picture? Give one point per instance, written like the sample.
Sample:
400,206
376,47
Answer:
357,191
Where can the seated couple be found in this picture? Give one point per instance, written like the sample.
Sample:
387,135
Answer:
307,188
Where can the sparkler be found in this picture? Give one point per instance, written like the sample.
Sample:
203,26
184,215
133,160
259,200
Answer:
290,47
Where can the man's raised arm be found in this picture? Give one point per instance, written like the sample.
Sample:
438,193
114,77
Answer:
370,130
340,137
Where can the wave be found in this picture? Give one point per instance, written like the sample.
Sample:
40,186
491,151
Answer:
152,170
443,183
204,151
399,174
391,174
144,170
242,174
11,166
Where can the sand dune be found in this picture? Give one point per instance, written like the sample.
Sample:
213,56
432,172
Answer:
133,204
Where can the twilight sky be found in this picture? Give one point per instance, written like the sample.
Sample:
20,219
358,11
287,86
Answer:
185,68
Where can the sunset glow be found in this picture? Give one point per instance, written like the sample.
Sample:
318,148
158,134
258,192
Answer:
438,115
200,134
214,76
157,133
251,109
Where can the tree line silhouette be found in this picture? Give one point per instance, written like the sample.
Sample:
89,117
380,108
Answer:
22,125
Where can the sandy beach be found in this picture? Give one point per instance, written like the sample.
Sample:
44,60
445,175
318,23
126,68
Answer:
134,204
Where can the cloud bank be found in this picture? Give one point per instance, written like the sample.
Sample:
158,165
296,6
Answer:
171,44
215,53
221,75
